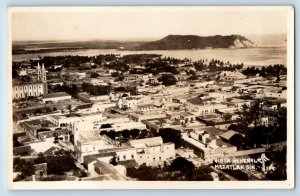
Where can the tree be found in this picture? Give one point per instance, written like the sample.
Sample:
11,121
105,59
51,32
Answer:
14,73
60,162
94,75
143,173
203,173
143,134
103,133
167,79
25,167
111,134
126,134
134,133
79,173
182,164
226,117
115,74
170,135
237,140
113,161
232,127
193,77
258,135
254,113
245,120
72,138
40,158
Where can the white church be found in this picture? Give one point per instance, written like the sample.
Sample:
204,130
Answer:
35,87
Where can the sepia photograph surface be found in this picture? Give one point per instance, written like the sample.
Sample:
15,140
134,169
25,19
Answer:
185,97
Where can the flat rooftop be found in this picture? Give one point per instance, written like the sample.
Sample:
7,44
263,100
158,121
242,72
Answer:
57,94
211,117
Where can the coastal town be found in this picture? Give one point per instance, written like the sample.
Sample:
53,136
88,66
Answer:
147,117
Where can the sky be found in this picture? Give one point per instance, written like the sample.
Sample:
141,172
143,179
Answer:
143,23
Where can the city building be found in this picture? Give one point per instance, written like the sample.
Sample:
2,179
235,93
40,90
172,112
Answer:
36,85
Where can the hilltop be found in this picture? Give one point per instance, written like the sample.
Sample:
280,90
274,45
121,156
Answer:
173,42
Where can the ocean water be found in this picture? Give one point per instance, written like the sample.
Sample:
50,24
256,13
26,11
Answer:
263,56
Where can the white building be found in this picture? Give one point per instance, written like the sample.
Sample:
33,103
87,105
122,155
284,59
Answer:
231,75
205,109
208,147
35,88
222,95
128,125
152,151
55,97
127,103
248,80
276,94
149,89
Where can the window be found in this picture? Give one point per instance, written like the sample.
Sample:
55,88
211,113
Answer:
124,157
132,156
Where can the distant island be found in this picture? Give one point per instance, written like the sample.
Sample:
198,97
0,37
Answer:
170,42
175,42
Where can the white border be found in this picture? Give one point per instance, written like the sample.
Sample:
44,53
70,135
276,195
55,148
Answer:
288,184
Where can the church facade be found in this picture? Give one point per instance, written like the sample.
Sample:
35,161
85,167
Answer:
36,87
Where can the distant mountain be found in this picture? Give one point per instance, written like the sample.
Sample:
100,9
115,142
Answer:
174,42
170,42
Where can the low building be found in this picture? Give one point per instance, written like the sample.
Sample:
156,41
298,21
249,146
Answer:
75,76
248,80
209,149
150,89
22,151
128,125
216,120
127,103
55,97
27,90
206,108
181,117
185,153
90,143
152,151
231,75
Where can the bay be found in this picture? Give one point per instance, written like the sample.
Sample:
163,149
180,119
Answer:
261,56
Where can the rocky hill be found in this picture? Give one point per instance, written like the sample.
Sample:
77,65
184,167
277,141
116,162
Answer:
174,42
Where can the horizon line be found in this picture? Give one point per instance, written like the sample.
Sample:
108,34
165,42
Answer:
141,39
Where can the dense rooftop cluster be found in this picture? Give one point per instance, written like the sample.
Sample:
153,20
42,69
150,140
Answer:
145,117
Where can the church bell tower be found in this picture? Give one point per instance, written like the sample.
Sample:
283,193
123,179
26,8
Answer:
44,79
